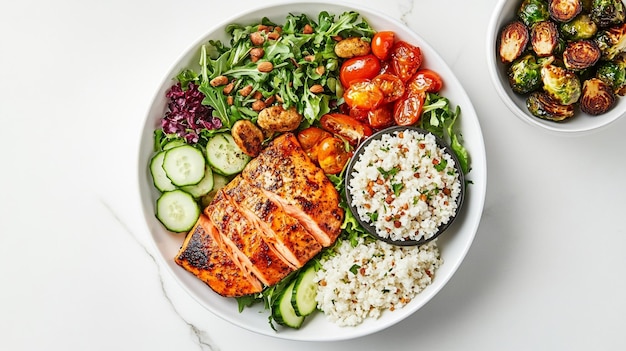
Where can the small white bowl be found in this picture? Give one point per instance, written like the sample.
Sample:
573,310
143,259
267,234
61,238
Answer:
581,123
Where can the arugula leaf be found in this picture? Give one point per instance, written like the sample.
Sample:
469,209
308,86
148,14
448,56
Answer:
439,119
185,77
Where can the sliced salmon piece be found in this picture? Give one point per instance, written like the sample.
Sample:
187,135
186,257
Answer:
202,255
291,179
283,232
246,242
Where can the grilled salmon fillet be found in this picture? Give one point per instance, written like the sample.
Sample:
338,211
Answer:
202,255
283,232
268,221
246,242
290,178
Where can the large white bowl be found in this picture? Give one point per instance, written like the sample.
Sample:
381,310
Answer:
580,124
316,328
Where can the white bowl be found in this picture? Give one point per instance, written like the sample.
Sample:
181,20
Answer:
580,124
317,328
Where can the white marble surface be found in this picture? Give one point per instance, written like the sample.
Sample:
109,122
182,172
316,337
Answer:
547,270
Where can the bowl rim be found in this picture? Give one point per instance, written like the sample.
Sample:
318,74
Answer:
441,144
459,245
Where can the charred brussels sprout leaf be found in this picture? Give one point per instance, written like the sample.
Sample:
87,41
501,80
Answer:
533,11
564,10
513,40
607,13
525,74
597,97
611,41
581,54
544,38
581,27
613,73
562,85
541,105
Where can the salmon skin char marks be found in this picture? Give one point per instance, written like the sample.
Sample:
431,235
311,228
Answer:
246,242
282,232
289,177
202,255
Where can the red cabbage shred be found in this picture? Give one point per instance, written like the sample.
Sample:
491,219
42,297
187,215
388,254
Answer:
186,115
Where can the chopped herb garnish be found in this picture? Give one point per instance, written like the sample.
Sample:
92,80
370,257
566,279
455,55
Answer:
354,269
397,188
441,165
387,174
373,216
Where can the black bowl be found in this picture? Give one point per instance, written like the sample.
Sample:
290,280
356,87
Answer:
368,226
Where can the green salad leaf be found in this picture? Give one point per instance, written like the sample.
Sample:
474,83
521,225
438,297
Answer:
298,60
439,118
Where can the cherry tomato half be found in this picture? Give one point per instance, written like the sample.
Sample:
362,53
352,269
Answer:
382,43
425,80
363,94
332,155
358,114
310,139
358,68
406,59
346,127
380,118
408,110
391,85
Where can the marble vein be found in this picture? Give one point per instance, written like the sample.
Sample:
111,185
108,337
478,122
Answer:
203,339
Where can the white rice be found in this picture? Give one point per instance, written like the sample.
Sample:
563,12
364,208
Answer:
397,188
361,282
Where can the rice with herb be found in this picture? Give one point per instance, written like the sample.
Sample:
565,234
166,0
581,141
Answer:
361,282
405,185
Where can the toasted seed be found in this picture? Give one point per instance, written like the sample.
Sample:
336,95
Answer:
316,89
245,91
257,38
265,66
256,54
219,81
228,88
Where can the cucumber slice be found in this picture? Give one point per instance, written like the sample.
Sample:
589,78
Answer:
224,155
219,181
159,178
283,311
184,165
304,292
173,143
177,210
203,187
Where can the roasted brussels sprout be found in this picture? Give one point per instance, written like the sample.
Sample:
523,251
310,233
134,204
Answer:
611,41
562,85
564,10
607,13
513,40
525,74
581,27
587,5
541,105
544,38
533,11
613,73
581,54
597,97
